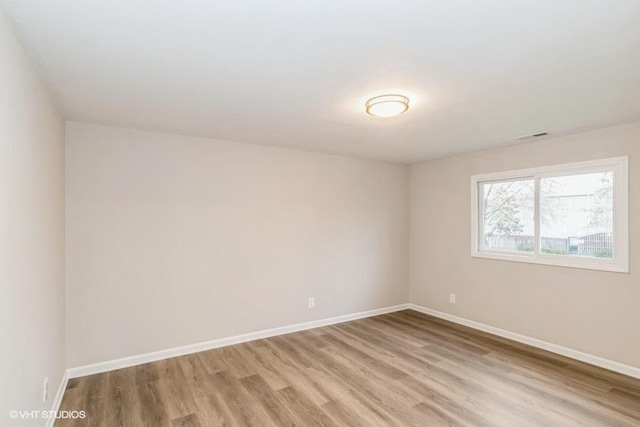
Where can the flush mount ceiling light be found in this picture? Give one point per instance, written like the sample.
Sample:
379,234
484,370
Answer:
387,105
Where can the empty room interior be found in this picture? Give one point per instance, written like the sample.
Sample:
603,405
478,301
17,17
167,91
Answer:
320,213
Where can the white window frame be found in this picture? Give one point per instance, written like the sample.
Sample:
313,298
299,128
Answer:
620,261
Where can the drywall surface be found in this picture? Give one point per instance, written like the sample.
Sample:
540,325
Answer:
591,311
175,240
31,235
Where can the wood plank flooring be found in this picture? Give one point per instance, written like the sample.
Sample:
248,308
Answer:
399,369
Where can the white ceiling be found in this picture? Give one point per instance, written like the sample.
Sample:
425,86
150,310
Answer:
296,73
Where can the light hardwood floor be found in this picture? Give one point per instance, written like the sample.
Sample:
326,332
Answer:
399,369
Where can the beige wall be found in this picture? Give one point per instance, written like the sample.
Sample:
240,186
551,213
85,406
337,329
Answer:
31,234
174,240
590,311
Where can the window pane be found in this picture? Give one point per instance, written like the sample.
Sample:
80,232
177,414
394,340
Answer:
576,215
507,215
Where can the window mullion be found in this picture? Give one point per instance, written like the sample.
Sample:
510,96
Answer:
480,216
537,213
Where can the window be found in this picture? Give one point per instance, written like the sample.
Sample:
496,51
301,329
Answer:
571,215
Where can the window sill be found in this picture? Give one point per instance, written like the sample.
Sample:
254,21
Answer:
557,261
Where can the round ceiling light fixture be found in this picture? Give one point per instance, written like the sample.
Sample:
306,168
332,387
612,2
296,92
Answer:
387,105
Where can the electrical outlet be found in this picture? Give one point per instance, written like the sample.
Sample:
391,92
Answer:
312,302
452,298
45,390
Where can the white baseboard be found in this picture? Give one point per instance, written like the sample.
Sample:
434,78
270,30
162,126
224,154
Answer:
222,342
55,406
534,342
126,362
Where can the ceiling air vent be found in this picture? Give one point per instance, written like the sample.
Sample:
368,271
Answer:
533,135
